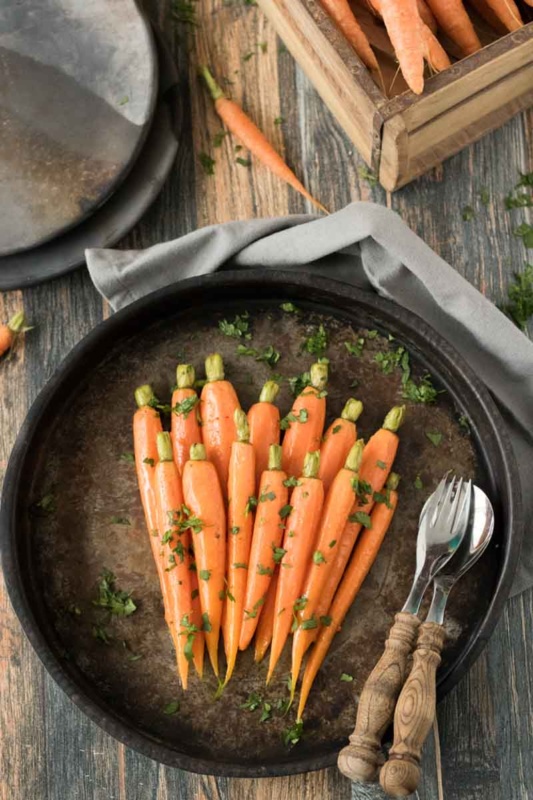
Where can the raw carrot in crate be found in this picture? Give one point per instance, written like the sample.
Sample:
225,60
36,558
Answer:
184,426
338,441
241,488
205,509
218,403
265,627
404,27
486,13
344,18
175,542
263,419
305,423
338,504
9,331
362,560
507,12
303,517
434,52
266,551
252,138
455,22
426,15
378,457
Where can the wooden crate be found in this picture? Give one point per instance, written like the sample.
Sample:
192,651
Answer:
404,136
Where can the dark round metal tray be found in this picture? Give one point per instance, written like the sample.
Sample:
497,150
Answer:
69,451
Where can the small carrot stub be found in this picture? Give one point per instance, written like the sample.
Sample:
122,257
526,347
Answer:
345,20
218,403
184,425
362,560
338,441
207,516
9,331
265,627
305,422
241,488
252,138
404,26
303,517
263,419
266,551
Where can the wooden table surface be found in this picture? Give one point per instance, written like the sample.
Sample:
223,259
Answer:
49,750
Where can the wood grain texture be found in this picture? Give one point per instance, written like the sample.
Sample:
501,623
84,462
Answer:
50,751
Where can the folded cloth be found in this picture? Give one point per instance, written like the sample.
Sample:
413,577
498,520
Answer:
369,246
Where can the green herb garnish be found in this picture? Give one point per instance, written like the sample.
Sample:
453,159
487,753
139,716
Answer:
184,408
285,511
367,175
204,574
468,213
290,308
520,293
302,416
116,601
525,232
262,570
128,458
149,461
238,329
418,483
277,554
207,163
434,437
346,678
355,348
171,708
317,343
361,518
318,558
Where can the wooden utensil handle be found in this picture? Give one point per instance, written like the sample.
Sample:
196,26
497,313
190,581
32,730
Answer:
414,715
360,760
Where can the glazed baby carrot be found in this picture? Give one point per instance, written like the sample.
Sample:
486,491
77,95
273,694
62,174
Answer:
263,419
265,552
218,404
184,426
344,18
9,331
204,506
360,565
265,627
339,502
455,22
378,456
304,424
175,542
300,532
252,138
403,24
338,441
241,488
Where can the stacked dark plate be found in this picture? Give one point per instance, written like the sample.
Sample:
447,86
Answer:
87,138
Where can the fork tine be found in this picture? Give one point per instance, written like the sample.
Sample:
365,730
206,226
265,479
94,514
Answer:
450,499
437,499
463,513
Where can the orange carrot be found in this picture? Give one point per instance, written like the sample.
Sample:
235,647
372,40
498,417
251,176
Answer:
300,532
9,331
218,404
241,488
455,22
339,502
185,427
507,12
378,456
360,565
426,15
403,24
196,620
252,138
265,627
175,543
304,424
434,52
338,441
486,13
344,18
204,507
263,419
265,552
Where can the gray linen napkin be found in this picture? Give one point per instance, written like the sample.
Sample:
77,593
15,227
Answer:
367,245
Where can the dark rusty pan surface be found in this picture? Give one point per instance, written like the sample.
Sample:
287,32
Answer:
71,448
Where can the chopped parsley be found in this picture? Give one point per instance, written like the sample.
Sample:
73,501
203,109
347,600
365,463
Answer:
367,175
277,554
434,437
244,162
520,293
253,702
317,343
45,506
116,601
355,348
326,621
468,213
255,608
318,558
184,408
290,308
418,483
269,354
292,735
424,392
149,461
525,232
182,519
234,530
336,429
128,458
280,121
251,504
184,11
383,497
464,423
362,490
171,708
309,624
484,196
332,543
101,634
381,464
207,163
346,678
261,570
240,565
218,138
120,521
292,481
300,603
285,511
361,518
206,623
204,574
298,383
267,496
302,416
238,329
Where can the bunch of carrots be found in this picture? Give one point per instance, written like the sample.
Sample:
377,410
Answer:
253,537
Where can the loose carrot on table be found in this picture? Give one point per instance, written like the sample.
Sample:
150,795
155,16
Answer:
265,627
265,552
455,22
205,510
9,331
300,532
263,419
404,27
175,543
344,18
304,424
252,138
241,488
378,456
361,562
338,504
338,441
184,426
218,403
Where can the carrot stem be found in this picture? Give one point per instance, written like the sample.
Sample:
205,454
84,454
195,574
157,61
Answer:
197,452
352,410
144,395
185,376
214,89
214,368
164,446
241,424
269,392
274,457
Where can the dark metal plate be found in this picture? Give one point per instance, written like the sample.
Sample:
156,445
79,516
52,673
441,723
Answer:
71,446
76,100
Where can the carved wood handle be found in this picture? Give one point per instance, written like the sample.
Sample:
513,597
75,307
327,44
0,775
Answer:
360,760
414,715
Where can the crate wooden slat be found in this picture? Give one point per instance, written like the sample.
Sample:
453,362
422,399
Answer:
404,136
